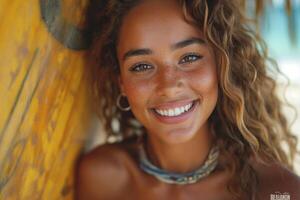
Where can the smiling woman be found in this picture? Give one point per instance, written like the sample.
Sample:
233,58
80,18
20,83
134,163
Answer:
202,119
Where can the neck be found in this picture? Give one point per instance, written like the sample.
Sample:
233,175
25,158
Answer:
183,157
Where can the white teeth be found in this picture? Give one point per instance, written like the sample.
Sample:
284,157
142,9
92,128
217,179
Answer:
171,112
182,109
174,111
187,107
177,111
165,112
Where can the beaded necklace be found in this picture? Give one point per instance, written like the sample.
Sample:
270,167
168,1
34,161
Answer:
179,178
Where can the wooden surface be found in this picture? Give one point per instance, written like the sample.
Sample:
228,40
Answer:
44,106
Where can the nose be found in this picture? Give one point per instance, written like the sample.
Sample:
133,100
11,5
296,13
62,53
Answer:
170,81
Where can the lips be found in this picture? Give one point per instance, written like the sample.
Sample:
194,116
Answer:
175,112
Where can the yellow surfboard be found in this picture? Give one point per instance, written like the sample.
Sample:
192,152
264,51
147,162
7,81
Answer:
44,104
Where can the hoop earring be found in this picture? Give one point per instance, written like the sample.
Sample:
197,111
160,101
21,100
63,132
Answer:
119,104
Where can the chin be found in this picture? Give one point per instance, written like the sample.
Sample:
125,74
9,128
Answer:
178,136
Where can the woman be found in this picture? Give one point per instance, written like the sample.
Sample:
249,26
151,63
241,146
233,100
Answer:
209,123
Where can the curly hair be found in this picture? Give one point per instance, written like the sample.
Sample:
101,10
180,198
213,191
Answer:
248,118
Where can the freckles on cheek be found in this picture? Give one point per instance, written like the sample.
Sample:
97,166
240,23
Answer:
205,80
136,90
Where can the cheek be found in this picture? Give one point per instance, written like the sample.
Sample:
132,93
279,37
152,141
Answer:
137,92
205,80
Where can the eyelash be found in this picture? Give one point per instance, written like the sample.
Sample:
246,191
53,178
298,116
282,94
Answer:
143,67
194,56
140,67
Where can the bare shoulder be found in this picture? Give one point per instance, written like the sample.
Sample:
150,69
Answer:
104,172
277,179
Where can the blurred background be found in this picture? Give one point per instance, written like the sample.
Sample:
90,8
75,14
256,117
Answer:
46,119
281,30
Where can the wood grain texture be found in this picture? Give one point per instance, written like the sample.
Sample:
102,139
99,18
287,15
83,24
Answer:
44,105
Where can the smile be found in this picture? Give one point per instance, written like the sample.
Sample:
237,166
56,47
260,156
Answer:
173,112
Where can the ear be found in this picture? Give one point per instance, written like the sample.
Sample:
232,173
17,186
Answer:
120,81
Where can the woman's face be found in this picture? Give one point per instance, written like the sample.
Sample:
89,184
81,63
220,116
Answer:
168,71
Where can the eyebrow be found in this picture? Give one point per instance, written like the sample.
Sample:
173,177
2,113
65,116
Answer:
137,52
187,42
178,45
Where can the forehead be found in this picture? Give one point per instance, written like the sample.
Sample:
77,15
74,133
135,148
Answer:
155,23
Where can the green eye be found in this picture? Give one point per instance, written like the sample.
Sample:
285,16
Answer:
189,58
140,67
